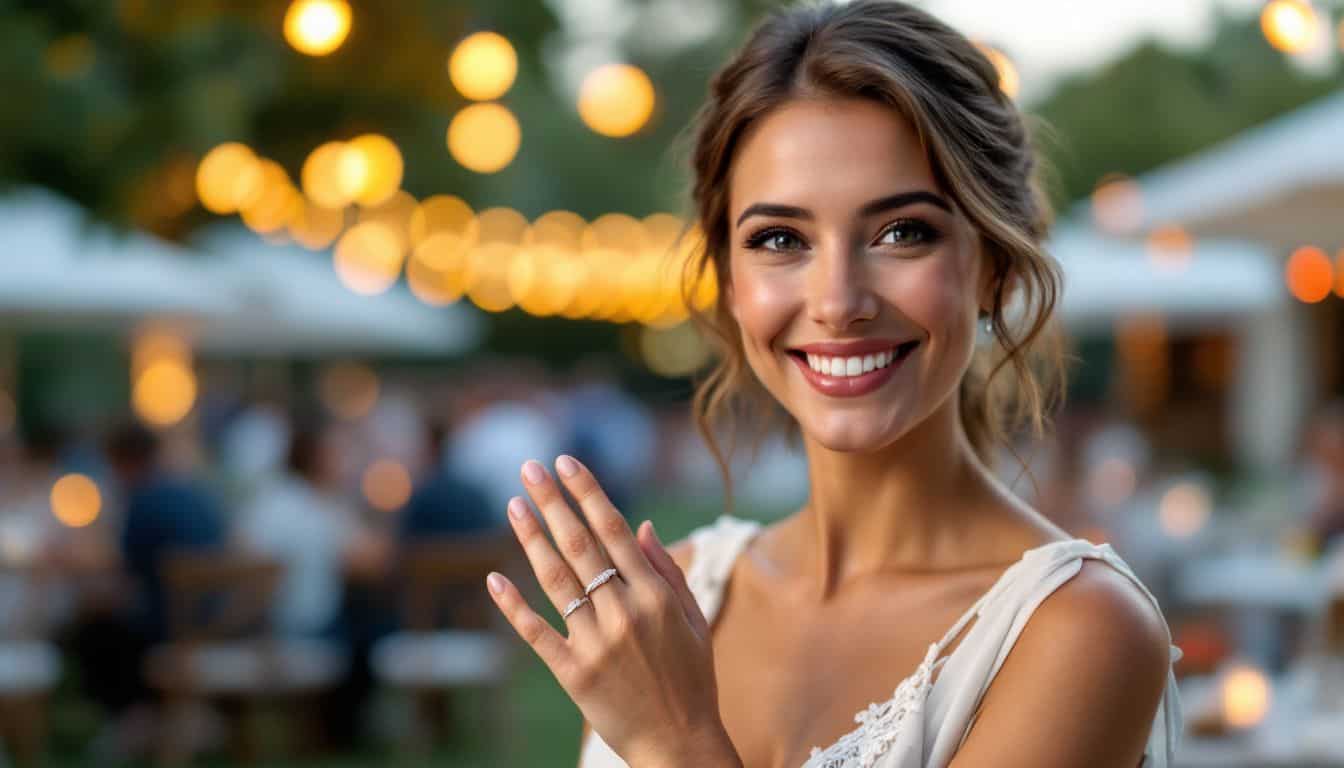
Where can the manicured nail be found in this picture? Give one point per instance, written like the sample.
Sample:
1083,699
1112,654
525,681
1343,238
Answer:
517,508
567,466
533,472
495,582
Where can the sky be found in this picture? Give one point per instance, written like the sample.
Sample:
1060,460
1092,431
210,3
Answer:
1048,38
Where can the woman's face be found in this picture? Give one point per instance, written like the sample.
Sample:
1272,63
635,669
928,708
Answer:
854,280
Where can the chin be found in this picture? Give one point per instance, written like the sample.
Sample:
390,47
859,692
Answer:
852,432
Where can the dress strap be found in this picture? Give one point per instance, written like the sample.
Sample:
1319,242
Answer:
716,548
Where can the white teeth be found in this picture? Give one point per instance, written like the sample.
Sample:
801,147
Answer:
850,366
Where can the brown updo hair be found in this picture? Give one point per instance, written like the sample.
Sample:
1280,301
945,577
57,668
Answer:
981,155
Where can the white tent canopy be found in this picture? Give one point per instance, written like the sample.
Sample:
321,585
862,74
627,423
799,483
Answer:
291,303
1281,183
59,267
1107,278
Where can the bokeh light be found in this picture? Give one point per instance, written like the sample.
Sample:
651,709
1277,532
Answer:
501,225
349,390
395,213
322,176
370,169
616,100
1170,248
437,270
1112,481
368,258
386,485
1117,205
483,66
558,229
487,278
484,137
75,500
1245,693
317,27
228,176
673,352
1010,82
1310,275
1339,274
164,392
276,203
1290,26
443,213
316,227
1184,510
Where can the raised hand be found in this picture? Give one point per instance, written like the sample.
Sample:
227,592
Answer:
637,660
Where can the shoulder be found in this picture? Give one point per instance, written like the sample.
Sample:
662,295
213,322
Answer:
1086,676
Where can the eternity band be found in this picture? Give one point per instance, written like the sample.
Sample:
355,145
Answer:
573,606
599,580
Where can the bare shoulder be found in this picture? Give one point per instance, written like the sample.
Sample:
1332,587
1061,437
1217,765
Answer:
1082,682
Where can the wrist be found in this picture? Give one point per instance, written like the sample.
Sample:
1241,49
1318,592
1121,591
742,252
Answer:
709,750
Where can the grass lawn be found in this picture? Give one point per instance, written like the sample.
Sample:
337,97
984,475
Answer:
545,730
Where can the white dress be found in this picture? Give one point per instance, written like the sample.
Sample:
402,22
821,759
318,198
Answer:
923,725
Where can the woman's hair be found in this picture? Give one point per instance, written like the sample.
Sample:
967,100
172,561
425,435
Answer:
980,153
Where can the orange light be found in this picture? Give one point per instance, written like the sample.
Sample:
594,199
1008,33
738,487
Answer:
349,390
484,137
1310,274
437,270
1339,274
1290,26
276,204
1117,205
75,500
317,27
315,227
368,258
164,392
616,100
1010,81
229,175
1246,696
370,169
1184,510
442,213
323,178
386,485
483,66
1171,248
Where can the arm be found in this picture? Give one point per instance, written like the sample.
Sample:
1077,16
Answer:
1082,683
681,552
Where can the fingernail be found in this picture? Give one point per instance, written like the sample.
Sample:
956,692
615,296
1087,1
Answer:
517,509
533,472
567,466
495,582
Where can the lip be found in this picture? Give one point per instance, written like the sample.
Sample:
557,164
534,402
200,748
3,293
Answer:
855,348
849,386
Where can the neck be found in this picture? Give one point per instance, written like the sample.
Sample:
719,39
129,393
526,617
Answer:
906,507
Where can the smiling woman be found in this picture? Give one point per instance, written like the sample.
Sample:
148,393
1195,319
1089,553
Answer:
869,204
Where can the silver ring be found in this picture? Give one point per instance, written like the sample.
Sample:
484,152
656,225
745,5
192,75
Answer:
599,580
573,606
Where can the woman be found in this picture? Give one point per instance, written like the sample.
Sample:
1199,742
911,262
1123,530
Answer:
870,210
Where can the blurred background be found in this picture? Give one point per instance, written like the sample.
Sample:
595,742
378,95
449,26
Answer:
288,291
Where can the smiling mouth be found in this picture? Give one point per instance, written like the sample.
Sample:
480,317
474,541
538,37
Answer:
840,366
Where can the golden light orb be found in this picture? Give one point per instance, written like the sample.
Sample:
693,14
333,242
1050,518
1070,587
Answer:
673,352
615,232
1184,510
483,66
484,137
616,100
370,169
487,279
443,213
228,176
1339,274
437,271
395,213
75,500
1291,26
322,176
317,27
1171,248
349,390
277,203
164,392
1309,274
369,258
558,229
386,485
315,227
501,225
1010,81
1246,695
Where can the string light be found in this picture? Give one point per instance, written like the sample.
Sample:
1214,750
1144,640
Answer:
616,100
317,27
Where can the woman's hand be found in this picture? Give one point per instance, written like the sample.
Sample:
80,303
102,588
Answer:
637,660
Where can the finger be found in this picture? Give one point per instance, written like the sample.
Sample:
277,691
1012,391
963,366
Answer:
667,567
605,519
572,537
534,630
554,575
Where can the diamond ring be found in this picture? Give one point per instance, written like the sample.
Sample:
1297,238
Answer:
599,580
573,606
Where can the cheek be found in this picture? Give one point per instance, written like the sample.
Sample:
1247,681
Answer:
937,295
762,304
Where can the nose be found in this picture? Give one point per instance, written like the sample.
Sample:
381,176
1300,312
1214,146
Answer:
839,289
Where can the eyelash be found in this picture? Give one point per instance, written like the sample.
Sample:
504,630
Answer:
928,235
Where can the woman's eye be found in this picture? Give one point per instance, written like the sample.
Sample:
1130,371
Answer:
775,240
907,233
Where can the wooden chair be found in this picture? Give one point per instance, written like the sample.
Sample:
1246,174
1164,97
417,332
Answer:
222,648
453,636
30,666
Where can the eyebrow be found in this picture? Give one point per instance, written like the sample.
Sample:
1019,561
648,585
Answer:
879,205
